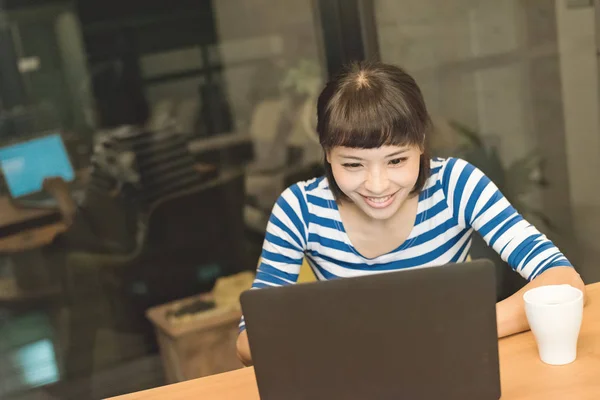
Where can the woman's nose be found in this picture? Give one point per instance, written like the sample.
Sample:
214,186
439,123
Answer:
377,181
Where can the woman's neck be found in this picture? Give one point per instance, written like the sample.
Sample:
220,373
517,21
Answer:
372,237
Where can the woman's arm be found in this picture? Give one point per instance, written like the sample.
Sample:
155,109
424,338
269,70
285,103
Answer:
243,348
476,202
282,253
510,313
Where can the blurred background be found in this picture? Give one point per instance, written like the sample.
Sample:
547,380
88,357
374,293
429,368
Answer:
174,126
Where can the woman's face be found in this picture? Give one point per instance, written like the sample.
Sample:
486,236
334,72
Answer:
377,180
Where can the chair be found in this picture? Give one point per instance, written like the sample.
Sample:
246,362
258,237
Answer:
151,235
182,247
176,226
185,244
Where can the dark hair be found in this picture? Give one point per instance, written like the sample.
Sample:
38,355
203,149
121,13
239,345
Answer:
369,105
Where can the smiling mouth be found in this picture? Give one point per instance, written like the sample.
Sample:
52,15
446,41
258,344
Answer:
380,201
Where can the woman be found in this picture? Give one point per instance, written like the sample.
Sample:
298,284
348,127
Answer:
384,205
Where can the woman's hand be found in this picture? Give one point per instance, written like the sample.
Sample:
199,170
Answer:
510,313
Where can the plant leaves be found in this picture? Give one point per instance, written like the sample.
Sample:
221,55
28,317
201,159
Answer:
473,137
515,181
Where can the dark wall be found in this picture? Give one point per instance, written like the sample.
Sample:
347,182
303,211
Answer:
117,33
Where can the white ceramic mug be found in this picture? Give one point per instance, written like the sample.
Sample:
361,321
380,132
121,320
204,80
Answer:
554,313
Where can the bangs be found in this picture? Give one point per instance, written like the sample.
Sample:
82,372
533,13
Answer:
369,136
372,105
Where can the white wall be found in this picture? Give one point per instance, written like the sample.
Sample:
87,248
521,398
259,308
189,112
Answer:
579,78
467,57
276,32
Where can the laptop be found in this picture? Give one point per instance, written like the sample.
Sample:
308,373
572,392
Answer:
427,333
26,164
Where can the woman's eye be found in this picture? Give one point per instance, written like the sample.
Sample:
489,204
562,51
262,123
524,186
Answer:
352,165
397,161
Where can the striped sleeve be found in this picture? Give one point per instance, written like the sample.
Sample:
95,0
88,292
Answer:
285,242
476,202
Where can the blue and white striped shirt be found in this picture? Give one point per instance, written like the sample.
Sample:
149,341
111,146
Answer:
456,199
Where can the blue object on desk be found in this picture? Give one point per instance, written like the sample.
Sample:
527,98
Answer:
25,165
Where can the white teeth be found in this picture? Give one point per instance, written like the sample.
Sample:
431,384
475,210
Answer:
379,199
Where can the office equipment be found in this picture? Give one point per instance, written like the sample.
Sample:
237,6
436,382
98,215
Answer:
523,375
427,333
25,166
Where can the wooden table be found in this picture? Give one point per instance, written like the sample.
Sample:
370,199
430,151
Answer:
29,238
39,235
32,280
523,375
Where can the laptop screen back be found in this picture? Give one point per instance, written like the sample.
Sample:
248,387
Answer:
424,333
25,165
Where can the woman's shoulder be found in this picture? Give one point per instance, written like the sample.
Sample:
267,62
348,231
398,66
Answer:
437,167
436,164
453,173
315,187
443,168
441,162
304,195
301,199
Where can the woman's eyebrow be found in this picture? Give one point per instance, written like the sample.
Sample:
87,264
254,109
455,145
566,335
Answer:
396,153
350,157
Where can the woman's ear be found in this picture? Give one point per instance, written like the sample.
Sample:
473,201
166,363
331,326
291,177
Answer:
328,156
